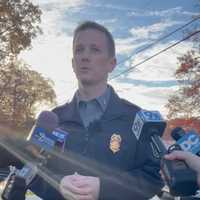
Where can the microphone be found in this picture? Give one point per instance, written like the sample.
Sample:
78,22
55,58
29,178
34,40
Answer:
149,123
40,134
180,179
46,123
177,133
44,137
189,141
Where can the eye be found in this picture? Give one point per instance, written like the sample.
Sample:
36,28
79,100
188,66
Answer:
79,49
95,49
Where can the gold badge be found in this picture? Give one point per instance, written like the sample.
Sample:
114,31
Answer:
115,143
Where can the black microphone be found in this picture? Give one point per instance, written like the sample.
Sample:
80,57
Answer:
151,125
148,123
177,133
179,177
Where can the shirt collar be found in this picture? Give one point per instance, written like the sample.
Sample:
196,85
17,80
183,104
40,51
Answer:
102,100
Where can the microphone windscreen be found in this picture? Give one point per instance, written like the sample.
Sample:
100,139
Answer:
47,120
177,133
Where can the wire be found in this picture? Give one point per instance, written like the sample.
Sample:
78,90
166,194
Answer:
154,55
160,39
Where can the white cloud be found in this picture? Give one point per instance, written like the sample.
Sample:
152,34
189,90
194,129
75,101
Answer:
162,13
53,14
110,7
52,52
127,45
52,58
161,67
145,97
152,31
55,4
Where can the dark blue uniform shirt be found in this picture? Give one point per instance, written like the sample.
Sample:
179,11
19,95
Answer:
108,149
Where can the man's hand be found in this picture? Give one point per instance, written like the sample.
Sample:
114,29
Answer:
80,187
192,161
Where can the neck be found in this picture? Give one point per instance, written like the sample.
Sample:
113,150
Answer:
88,92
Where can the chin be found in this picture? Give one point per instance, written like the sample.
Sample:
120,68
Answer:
87,81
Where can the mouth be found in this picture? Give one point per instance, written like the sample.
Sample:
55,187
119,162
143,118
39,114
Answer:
84,69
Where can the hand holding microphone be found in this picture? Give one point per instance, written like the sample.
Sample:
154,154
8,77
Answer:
189,144
193,161
180,178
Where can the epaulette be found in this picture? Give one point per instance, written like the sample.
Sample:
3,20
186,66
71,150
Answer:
128,103
60,107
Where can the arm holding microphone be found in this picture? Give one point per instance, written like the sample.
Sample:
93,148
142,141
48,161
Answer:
189,144
180,178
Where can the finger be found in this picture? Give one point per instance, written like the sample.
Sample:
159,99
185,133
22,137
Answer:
84,197
66,184
81,183
76,190
79,177
67,194
176,155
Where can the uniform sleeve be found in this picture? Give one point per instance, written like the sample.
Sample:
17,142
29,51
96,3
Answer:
141,182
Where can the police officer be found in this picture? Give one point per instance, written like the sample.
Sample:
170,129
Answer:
99,124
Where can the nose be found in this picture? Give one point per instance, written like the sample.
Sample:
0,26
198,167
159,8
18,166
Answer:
85,55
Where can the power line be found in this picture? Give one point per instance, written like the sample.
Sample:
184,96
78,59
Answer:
160,39
154,55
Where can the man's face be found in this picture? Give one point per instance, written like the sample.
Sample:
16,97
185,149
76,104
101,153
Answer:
91,60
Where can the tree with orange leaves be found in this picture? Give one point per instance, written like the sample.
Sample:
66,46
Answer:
185,103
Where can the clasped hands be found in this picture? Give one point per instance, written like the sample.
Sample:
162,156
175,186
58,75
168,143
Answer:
79,187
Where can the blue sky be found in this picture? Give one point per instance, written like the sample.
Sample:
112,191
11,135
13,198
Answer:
134,24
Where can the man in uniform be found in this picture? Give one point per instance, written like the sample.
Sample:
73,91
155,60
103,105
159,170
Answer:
99,124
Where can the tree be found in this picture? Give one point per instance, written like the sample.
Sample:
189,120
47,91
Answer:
21,89
185,102
19,21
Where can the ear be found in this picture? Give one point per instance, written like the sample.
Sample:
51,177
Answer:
73,64
113,63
